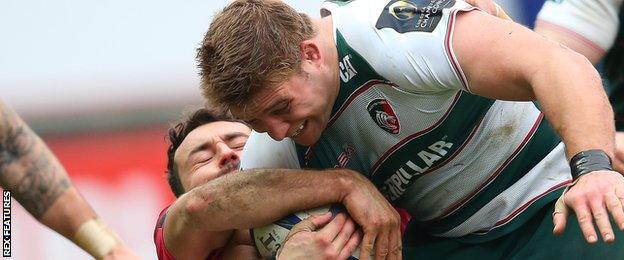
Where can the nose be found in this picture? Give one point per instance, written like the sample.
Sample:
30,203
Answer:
277,128
227,155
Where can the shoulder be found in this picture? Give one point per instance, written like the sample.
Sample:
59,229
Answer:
159,238
405,42
161,217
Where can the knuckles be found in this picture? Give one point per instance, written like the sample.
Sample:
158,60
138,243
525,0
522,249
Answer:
323,241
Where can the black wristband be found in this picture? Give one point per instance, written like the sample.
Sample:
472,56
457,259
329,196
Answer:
589,161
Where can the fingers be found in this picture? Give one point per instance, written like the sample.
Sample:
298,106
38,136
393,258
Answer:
367,246
309,224
584,217
619,193
381,245
601,217
594,198
395,245
560,216
614,205
351,245
331,230
318,220
345,233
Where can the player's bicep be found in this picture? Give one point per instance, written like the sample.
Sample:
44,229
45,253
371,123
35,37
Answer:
498,56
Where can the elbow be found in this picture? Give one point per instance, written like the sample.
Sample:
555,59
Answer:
577,60
565,69
195,204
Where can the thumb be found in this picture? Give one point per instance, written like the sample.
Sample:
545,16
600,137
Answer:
319,220
560,215
309,224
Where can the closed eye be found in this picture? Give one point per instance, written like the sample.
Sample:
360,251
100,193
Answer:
283,108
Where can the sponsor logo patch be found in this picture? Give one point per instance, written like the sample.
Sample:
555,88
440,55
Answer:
413,15
347,70
384,116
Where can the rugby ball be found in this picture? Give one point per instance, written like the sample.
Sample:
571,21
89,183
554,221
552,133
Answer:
269,239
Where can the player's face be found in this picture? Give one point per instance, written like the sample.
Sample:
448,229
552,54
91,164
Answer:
298,108
210,151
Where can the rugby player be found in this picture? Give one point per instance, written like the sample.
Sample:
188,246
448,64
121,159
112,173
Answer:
40,184
411,94
204,148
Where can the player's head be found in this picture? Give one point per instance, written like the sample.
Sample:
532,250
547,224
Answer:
266,63
202,148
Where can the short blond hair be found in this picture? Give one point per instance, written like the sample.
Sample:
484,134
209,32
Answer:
249,45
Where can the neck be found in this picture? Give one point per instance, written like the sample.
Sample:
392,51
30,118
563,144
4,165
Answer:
325,32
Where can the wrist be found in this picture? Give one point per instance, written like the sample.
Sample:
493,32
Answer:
96,238
588,161
346,180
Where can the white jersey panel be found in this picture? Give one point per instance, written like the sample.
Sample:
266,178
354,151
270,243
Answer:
418,61
551,173
504,130
261,151
595,20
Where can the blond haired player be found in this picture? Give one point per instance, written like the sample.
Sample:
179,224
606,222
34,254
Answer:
428,99
204,154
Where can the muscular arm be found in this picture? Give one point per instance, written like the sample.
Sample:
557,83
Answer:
504,60
245,199
256,197
38,181
510,62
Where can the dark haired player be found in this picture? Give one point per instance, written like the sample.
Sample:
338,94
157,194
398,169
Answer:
204,149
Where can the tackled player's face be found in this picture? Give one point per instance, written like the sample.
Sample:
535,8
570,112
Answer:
210,151
298,108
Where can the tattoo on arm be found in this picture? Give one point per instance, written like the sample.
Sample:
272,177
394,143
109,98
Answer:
27,167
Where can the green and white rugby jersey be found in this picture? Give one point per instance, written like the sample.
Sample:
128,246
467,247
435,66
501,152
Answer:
460,164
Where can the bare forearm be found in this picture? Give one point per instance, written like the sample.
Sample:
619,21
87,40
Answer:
205,218
570,92
256,197
36,178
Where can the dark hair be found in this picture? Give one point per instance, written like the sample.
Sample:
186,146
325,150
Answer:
176,135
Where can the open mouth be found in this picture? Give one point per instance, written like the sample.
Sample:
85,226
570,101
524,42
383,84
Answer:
299,130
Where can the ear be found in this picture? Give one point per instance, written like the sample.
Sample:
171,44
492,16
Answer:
310,52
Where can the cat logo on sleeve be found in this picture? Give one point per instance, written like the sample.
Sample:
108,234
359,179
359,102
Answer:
413,15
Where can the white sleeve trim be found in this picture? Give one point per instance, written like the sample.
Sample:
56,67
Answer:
448,46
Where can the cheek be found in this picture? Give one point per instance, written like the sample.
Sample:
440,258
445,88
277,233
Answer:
202,176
